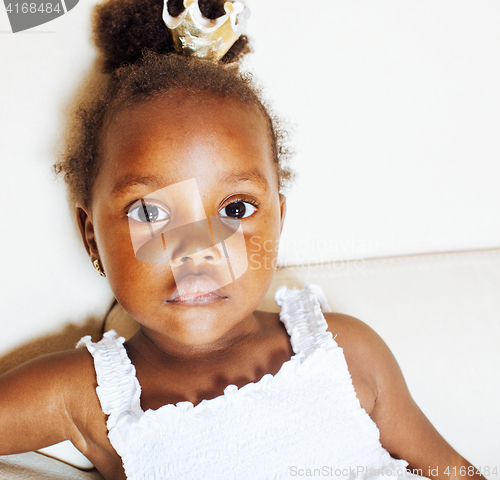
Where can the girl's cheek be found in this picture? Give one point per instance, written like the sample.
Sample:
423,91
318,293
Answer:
262,253
234,252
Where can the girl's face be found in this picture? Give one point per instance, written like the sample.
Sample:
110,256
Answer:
187,161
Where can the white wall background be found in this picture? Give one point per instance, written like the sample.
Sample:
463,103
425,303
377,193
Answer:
46,278
397,113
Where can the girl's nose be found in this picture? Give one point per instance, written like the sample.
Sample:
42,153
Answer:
192,243
210,255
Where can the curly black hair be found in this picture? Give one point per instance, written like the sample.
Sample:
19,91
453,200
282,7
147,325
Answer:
138,62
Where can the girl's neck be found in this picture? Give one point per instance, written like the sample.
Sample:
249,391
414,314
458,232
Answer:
169,377
161,350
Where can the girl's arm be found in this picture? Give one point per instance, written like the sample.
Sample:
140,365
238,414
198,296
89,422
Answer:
37,400
405,432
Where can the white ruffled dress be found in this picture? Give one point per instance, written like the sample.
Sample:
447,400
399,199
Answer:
305,421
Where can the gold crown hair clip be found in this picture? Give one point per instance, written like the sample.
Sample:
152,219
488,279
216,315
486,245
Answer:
201,37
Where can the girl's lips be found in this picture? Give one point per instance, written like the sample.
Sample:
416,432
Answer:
196,290
200,300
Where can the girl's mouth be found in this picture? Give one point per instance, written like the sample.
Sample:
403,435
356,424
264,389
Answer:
195,290
202,299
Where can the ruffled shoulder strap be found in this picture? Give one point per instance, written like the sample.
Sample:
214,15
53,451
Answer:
117,386
304,321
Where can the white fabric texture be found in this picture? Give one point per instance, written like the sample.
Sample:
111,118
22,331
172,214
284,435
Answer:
307,416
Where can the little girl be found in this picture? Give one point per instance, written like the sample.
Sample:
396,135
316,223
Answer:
176,175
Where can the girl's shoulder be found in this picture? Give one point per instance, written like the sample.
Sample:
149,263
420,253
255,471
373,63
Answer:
53,398
368,358
58,378
77,383
353,334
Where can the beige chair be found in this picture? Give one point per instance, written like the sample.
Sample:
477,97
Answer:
440,315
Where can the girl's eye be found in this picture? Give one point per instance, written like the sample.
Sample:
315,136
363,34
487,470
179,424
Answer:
147,212
238,210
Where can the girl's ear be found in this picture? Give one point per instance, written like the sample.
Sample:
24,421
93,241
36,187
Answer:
87,231
282,211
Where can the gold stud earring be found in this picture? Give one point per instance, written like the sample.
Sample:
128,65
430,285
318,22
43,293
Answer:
98,267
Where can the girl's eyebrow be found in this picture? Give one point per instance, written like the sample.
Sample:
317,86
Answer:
124,184
253,176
